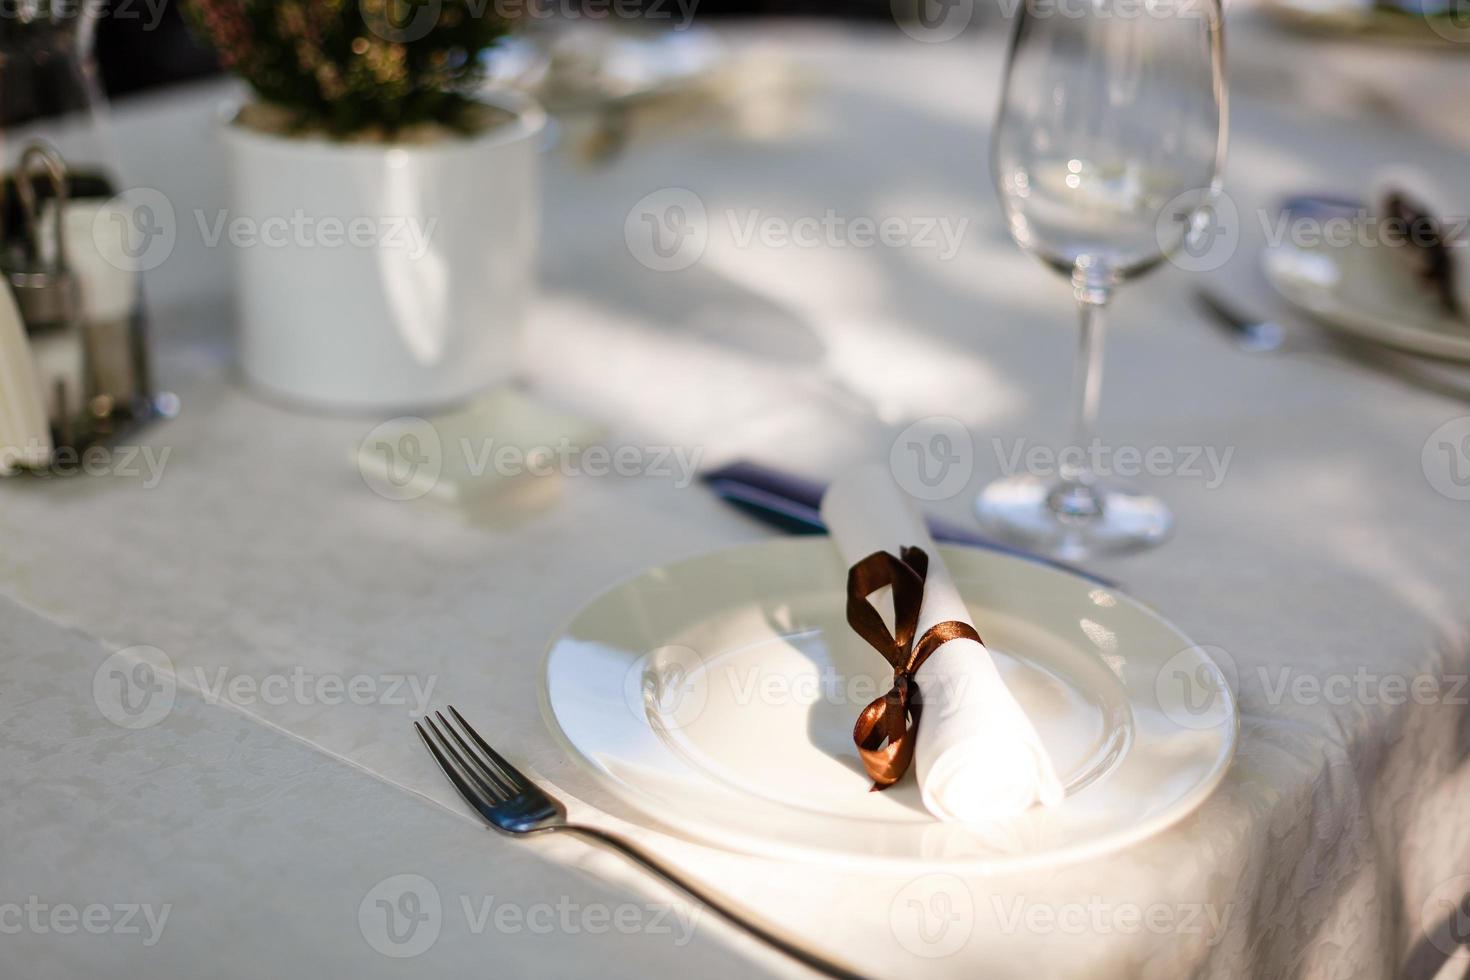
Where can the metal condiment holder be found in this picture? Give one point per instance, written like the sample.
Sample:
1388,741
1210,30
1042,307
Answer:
95,377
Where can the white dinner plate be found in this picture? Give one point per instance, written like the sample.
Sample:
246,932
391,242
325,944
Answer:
1361,291
1372,21
717,695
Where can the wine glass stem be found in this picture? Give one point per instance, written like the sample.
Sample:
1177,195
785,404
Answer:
1076,498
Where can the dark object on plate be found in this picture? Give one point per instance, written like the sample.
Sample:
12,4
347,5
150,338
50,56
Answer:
1427,248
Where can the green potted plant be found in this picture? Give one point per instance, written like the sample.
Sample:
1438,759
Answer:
384,207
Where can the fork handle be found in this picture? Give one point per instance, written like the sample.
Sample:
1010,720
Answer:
649,863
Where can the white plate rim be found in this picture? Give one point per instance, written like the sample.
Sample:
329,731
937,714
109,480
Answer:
1365,326
646,805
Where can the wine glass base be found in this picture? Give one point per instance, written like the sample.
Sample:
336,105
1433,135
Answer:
1019,509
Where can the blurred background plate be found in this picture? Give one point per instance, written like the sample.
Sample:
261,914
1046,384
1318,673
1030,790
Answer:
1352,289
1412,21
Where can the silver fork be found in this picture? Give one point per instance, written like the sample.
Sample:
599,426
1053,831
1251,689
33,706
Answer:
511,803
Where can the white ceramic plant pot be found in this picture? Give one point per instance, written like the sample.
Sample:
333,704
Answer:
383,277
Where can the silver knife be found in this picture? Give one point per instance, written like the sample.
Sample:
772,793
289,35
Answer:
1249,333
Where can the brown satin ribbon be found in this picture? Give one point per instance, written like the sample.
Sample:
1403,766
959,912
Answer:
884,731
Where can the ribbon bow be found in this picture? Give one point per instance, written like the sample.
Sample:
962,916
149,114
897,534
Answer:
894,717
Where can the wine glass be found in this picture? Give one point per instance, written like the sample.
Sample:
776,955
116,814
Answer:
1106,157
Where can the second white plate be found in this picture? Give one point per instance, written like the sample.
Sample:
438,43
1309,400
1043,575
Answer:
1357,290
718,695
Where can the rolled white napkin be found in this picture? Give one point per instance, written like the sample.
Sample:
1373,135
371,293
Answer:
977,756
1451,210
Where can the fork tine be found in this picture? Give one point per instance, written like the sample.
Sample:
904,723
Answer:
492,790
510,771
504,787
472,796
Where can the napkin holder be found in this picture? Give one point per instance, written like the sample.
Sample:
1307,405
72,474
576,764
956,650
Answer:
91,367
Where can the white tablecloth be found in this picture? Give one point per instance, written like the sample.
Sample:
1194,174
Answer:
273,826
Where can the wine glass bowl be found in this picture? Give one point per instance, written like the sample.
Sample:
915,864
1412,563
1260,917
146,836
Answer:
1107,146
